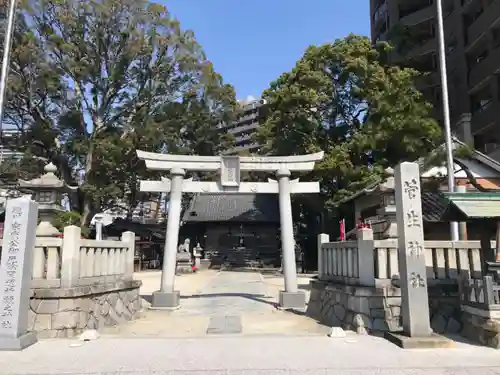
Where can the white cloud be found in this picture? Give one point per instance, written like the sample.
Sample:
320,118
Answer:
249,98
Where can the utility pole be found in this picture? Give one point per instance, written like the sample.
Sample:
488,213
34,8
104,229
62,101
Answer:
9,31
446,111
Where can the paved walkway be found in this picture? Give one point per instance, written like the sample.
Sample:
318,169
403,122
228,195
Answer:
197,340
219,303
237,355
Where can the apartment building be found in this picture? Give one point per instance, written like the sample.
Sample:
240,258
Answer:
472,39
245,126
5,152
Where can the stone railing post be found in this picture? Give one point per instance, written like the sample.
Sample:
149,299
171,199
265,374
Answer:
366,256
129,239
322,238
70,256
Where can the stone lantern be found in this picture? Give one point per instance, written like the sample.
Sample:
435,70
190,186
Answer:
47,190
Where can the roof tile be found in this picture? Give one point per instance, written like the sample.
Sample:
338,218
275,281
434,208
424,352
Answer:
233,207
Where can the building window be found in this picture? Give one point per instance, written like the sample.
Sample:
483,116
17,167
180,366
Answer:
380,12
476,57
481,100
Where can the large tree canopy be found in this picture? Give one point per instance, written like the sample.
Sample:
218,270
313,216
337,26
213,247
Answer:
93,80
344,98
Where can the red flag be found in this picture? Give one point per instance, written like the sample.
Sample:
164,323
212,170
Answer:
342,230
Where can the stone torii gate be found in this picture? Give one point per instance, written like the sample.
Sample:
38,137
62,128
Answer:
229,167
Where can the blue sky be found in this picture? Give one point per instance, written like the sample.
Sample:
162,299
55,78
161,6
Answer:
252,42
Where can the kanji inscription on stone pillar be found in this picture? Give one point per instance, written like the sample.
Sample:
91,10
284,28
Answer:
412,267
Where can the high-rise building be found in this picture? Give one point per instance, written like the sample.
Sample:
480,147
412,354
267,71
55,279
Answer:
5,152
472,40
245,126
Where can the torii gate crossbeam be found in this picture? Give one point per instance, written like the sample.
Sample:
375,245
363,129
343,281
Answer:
230,167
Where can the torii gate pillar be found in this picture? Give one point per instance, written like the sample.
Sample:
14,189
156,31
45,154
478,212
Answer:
290,297
229,166
167,297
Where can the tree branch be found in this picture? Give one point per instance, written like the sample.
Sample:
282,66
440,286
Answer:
471,177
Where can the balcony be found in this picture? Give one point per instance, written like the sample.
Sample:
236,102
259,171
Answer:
428,80
243,138
495,154
485,117
252,147
380,14
484,69
419,16
427,47
244,128
483,22
381,38
248,117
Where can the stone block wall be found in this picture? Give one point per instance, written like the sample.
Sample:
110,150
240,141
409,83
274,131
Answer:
378,309
482,329
68,312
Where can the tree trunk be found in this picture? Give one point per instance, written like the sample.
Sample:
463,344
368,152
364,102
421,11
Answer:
87,200
87,212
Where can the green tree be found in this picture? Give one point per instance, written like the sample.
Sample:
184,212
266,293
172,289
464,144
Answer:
116,76
345,99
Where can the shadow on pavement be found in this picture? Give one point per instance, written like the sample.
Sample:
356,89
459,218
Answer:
254,297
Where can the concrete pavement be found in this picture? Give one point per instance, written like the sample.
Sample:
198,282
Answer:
238,355
219,302
267,341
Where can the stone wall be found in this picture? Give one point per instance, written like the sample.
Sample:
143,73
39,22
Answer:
481,329
68,312
378,309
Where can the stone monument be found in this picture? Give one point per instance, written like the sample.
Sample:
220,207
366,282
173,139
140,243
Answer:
15,273
47,191
203,257
417,332
184,261
197,256
229,167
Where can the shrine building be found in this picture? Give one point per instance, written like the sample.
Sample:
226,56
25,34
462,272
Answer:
240,230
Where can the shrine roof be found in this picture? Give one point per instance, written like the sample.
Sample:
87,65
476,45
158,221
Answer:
440,206
119,225
470,206
434,206
258,208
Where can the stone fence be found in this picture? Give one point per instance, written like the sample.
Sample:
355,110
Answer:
480,303
358,286
72,261
80,284
372,262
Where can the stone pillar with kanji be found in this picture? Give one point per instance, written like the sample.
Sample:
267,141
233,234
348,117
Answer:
417,332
